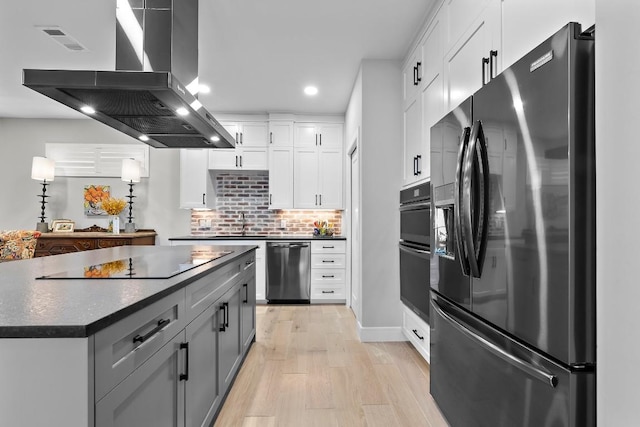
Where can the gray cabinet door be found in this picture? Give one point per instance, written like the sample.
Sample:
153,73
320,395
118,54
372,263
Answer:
152,396
248,310
202,388
229,348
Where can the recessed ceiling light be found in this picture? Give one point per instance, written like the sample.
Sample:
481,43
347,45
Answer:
311,90
87,110
182,111
215,138
204,88
143,138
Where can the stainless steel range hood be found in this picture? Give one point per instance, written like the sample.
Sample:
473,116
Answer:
146,98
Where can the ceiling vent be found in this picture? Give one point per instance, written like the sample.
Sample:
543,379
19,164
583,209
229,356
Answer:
61,37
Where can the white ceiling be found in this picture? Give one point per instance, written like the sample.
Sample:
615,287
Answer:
256,55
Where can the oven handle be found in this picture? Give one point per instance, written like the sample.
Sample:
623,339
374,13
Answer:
415,206
414,250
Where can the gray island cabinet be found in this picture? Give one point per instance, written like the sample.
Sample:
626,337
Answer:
142,351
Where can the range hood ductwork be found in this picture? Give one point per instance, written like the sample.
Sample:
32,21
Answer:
155,106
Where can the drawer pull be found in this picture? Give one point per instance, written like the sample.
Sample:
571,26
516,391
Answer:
161,324
185,376
328,260
328,247
328,276
328,292
415,331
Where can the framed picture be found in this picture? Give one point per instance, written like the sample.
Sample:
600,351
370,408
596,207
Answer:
62,226
93,196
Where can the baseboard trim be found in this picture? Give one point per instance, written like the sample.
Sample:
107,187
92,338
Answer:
378,334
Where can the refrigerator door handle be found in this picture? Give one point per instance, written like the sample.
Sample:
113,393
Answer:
533,371
476,240
457,204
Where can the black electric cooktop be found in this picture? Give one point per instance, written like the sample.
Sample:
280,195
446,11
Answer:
156,266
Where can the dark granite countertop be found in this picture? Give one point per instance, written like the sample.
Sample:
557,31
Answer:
59,308
257,237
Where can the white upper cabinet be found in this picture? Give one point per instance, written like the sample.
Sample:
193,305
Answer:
252,139
196,183
476,57
280,177
411,77
281,134
526,24
318,134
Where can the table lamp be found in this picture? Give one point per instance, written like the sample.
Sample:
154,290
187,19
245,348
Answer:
43,169
130,174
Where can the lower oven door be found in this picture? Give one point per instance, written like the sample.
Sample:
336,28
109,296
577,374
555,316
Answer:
415,263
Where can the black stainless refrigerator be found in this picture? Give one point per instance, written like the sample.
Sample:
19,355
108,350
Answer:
513,283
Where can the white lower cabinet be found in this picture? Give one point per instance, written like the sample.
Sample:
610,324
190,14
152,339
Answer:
184,382
328,271
417,331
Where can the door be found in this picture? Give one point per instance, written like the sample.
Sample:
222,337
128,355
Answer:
152,395
447,275
281,134
280,177
330,178
254,134
248,310
305,182
229,346
356,290
202,392
412,141
499,382
543,235
253,158
306,135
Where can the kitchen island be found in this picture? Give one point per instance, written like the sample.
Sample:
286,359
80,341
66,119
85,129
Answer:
132,335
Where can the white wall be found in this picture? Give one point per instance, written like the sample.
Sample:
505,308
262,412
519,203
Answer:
157,198
375,108
618,207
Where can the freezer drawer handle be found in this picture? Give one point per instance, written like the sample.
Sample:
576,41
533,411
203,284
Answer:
328,260
415,331
527,368
328,292
328,276
161,324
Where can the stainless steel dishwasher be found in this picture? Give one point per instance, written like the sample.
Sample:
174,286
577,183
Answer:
288,272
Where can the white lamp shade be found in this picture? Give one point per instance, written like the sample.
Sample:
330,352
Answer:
43,169
130,170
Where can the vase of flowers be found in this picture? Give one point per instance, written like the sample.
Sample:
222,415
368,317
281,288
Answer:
113,207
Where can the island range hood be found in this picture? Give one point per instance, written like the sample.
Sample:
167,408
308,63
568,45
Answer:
152,95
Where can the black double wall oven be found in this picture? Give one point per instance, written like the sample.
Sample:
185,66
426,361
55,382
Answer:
415,248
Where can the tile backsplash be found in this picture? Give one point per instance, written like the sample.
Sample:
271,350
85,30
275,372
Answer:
248,193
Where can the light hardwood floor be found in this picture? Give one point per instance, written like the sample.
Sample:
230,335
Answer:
308,368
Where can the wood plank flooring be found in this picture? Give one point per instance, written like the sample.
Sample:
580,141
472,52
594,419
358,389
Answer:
308,368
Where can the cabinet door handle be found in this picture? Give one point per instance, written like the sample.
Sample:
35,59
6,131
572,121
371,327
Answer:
320,199
237,138
493,54
328,261
203,200
418,78
236,161
225,308
240,161
485,61
270,198
316,139
161,324
246,295
185,376
328,292
241,139
316,200
328,276
415,159
418,158
415,76
415,331
270,137
321,140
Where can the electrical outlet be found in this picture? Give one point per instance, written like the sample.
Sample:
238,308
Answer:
283,223
204,223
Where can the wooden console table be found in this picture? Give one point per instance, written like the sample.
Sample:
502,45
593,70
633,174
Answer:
77,241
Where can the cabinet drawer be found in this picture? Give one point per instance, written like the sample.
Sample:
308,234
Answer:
125,345
204,291
329,247
417,331
327,276
328,260
327,291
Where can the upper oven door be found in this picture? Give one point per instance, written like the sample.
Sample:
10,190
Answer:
415,223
